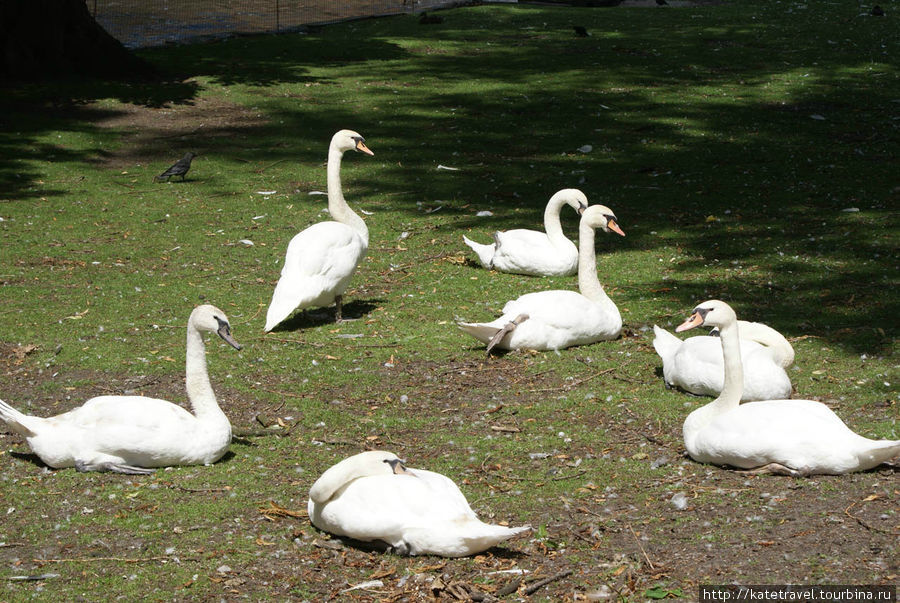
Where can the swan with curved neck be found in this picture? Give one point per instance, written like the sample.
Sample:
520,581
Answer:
532,252
696,364
321,259
133,434
790,437
553,320
374,497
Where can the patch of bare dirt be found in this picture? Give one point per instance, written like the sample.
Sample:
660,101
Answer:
164,133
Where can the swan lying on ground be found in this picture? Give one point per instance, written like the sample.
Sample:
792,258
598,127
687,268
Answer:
131,434
553,320
321,259
532,252
696,364
372,496
790,437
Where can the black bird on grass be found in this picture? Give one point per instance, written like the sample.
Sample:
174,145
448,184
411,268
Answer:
580,31
661,3
877,11
426,19
179,168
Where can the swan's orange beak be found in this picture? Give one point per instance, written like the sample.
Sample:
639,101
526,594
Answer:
613,226
362,148
694,321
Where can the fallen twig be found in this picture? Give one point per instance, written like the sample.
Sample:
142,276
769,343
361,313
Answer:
542,583
274,511
638,541
265,167
863,522
196,490
509,588
576,383
573,476
119,559
35,578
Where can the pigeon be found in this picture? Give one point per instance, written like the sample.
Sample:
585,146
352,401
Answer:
580,31
179,168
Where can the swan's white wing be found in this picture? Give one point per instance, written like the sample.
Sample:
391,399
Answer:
420,512
146,432
533,252
559,319
698,366
383,506
801,434
317,266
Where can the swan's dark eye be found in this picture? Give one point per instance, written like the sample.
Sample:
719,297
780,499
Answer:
702,312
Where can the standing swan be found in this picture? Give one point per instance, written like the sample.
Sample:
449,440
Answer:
533,252
130,434
321,259
553,320
696,364
372,496
789,437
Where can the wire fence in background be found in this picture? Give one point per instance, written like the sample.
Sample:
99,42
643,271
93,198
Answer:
142,23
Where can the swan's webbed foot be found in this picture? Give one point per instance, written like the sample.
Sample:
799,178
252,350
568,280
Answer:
507,328
776,469
83,467
401,548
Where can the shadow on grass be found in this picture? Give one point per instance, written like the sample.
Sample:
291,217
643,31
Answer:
317,317
734,146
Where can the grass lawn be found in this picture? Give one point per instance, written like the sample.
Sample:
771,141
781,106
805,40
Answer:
748,149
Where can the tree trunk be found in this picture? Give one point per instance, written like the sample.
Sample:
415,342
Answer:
59,37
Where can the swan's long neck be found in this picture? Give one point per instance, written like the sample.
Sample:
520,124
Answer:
552,225
588,283
199,390
337,205
730,397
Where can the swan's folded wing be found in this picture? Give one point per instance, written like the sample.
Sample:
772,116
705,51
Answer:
532,252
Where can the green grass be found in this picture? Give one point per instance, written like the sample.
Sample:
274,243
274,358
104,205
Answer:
708,143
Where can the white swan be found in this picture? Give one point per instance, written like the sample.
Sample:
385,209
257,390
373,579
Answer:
372,496
552,320
130,434
321,259
532,252
791,437
695,365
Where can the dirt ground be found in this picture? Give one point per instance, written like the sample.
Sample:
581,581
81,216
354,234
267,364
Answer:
596,544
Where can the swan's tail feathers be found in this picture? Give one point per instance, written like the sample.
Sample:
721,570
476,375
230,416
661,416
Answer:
882,451
455,540
21,424
479,330
282,305
484,252
665,343
490,334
